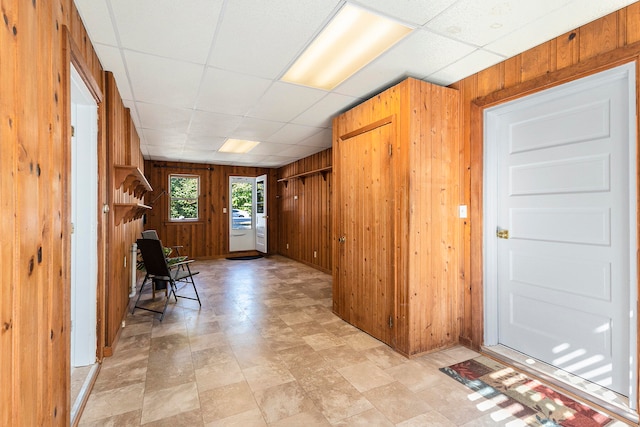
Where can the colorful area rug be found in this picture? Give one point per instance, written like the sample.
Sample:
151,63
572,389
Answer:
522,397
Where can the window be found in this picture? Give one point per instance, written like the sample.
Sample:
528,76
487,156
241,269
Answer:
183,194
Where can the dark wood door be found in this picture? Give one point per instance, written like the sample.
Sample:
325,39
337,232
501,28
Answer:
364,247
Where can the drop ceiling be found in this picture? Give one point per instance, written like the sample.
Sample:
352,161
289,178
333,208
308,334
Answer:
197,72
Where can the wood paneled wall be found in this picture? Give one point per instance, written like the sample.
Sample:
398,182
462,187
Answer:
208,237
604,43
304,210
124,149
38,39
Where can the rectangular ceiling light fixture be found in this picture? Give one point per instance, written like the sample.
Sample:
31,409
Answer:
352,39
238,146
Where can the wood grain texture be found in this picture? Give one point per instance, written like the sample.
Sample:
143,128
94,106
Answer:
420,186
304,211
209,236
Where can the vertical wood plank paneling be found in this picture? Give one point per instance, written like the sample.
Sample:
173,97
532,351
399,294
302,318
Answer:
305,222
209,236
8,150
632,23
599,36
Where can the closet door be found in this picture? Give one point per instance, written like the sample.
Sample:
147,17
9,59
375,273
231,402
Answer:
364,269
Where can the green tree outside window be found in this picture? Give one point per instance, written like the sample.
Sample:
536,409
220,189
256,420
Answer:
183,193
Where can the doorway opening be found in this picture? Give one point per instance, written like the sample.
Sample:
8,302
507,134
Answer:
84,239
248,219
560,236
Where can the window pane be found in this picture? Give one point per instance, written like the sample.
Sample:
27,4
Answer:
241,202
184,191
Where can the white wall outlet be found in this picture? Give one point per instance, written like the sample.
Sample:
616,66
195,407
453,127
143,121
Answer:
287,246
462,210
224,210
315,254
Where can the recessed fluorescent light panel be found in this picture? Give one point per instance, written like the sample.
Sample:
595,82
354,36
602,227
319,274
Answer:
238,146
352,39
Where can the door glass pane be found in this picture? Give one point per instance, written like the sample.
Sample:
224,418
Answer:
260,197
241,202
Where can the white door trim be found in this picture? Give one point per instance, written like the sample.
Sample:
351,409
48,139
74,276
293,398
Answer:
490,215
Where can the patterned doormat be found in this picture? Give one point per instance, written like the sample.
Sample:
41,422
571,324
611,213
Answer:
522,397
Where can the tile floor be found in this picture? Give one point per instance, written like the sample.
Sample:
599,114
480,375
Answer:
266,350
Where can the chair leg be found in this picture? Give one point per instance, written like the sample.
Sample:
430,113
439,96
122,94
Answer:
193,283
144,282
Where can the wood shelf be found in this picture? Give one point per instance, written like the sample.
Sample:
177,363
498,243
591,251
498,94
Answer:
132,180
126,212
303,175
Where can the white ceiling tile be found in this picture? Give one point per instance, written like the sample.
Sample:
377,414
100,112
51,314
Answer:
323,139
293,134
262,38
270,148
322,112
111,60
480,23
416,12
164,151
277,161
300,151
255,129
230,93
163,81
197,155
284,101
97,20
204,123
180,30
204,142
470,64
558,22
162,138
163,118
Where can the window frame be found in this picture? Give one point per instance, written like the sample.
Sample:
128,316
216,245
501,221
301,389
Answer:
172,198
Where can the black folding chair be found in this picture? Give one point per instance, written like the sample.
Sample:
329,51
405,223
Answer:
158,270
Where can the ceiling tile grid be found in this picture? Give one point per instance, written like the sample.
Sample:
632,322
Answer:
197,72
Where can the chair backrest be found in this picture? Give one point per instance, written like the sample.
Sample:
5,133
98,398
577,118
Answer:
150,234
153,257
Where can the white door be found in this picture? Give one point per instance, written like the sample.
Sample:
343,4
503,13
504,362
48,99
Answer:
565,191
84,216
261,214
242,230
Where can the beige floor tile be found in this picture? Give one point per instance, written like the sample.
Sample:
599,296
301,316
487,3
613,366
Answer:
340,401
431,419
282,401
323,341
184,419
212,356
384,357
362,341
206,341
227,401
316,376
165,370
112,402
369,418
365,376
265,376
252,418
342,356
296,318
303,419
415,376
127,419
396,402
170,401
460,353
213,376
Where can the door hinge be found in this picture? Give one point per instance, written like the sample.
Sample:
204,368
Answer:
391,321
390,149
73,131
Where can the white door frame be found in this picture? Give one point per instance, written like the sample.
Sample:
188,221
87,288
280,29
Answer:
490,215
84,214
